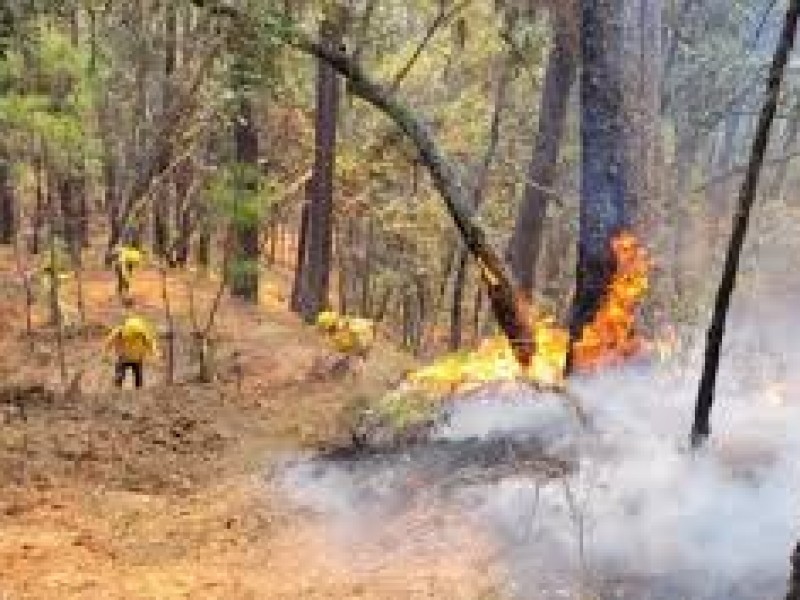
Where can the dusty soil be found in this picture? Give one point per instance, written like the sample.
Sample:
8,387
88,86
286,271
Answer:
167,493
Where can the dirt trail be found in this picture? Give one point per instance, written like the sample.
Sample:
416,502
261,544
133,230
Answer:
166,493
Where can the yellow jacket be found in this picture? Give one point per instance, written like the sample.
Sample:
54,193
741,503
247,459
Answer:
128,258
349,335
132,341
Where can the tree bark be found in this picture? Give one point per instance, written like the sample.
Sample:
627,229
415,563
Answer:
38,210
300,264
701,428
456,308
794,578
8,217
526,239
315,284
244,284
603,187
642,62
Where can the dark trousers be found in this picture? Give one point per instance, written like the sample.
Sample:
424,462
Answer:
121,369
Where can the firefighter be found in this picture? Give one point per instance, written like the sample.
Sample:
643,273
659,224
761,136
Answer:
126,259
352,336
133,342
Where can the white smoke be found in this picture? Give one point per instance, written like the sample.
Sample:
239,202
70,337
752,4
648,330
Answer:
641,510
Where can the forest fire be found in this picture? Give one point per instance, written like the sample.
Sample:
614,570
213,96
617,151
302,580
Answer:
609,339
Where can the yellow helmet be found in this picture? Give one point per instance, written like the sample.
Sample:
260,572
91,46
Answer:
134,325
327,320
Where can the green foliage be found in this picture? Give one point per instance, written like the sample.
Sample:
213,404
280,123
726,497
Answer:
48,96
239,193
242,269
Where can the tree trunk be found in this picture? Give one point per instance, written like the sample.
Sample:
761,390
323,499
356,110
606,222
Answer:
244,284
162,202
701,427
314,290
8,218
69,211
184,207
642,60
366,272
526,239
38,211
603,206
300,263
794,578
778,188
456,308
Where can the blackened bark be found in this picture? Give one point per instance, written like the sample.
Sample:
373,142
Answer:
315,284
8,220
602,209
526,239
701,428
246,246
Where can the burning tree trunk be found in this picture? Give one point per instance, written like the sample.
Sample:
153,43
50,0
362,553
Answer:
705,397
603,190
315,281
526,239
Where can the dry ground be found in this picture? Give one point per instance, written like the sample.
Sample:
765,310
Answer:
165,493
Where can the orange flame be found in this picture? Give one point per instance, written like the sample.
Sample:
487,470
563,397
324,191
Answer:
609,339
611,336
